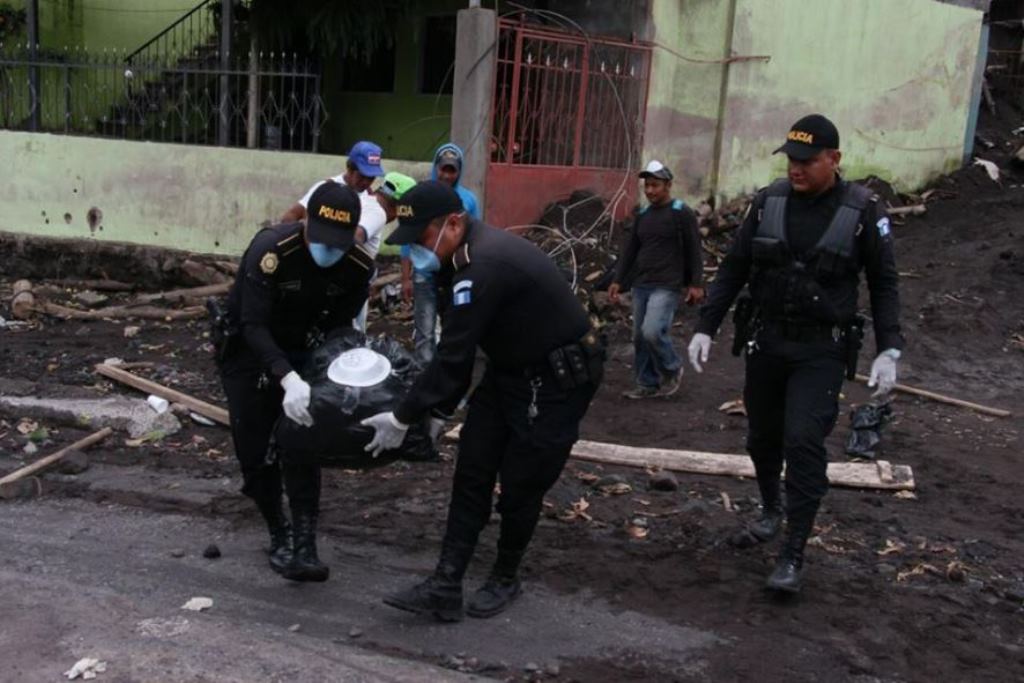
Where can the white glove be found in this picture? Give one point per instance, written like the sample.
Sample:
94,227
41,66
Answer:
700,347
883,372
296,399
389,433
435,427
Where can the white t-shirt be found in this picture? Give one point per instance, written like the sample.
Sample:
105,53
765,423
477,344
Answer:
371,217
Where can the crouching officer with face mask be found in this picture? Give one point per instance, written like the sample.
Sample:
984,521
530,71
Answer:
801,248
296,282
544,366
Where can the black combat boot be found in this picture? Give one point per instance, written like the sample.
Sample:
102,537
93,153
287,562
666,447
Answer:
767,526
501,588
305,564
280,533
787,577
441,594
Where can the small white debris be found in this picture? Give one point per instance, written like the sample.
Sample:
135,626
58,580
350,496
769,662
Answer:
30,448
198,604
114,361
205,421
86,668
158,404
131,330
990,168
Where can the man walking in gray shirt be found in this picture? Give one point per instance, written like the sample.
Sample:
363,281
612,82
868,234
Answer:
662,253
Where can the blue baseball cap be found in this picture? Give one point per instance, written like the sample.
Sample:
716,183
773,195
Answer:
366,156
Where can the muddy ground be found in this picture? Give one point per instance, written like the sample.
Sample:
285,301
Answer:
920,588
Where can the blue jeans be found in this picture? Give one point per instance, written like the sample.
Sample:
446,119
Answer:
653,311
424,317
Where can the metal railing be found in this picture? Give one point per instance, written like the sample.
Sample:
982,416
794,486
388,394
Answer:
565,100
270,101
194,35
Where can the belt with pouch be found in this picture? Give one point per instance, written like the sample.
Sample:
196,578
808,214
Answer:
805,332
571,366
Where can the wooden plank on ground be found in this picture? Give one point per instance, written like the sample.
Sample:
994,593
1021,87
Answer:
923,393
847,474
215,413
48,460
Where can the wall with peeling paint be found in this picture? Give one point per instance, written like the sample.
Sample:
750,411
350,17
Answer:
895,76
204,199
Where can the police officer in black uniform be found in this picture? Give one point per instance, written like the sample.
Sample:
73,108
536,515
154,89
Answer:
296,282
801,248
544,366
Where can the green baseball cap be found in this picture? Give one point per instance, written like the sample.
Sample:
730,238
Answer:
395,185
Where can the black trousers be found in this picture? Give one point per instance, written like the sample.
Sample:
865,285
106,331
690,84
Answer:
792,400
255,407
499,442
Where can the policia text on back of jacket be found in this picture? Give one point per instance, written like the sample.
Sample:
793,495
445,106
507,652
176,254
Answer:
801,249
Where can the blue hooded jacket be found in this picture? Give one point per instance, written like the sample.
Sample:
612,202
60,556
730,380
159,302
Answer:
469,202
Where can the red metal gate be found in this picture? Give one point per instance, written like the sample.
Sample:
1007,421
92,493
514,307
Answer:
568,115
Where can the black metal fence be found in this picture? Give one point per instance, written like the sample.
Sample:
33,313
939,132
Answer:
267,101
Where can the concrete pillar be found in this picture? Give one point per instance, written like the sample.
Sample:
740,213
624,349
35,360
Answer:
476,51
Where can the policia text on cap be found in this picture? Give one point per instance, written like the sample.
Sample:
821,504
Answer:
801,248
507,297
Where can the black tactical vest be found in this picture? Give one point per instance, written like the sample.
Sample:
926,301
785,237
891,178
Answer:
788,288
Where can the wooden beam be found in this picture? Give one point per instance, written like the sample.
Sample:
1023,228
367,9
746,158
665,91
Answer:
215,413
914,391
868,475
48,460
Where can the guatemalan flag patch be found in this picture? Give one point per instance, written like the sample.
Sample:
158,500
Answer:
883,227
462,293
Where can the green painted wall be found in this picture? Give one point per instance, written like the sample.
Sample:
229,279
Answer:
407,124
895,76
683,103
203,199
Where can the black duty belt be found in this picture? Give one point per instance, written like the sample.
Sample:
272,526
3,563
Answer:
805,332
570,366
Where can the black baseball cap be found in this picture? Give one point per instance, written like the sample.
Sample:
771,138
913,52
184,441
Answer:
332,215
420,205
809,136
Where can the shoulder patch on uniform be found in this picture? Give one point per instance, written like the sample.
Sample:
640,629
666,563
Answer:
883,226
269,262
462,293
288,239
678,204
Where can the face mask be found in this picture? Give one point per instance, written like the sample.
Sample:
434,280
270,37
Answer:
423,259
325,256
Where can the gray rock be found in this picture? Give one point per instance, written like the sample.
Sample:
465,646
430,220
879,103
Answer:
178,553
295,628
1014,593
355,632
91,298
695,507
531,667
118,412
885,569
663,481
552,669
73,462
212,552
610,480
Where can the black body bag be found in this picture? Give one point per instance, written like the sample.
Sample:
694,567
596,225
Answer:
336,438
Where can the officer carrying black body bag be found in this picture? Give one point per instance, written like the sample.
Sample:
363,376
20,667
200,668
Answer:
352,378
